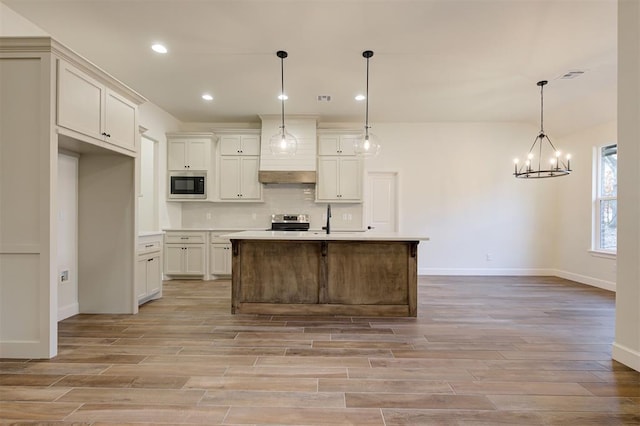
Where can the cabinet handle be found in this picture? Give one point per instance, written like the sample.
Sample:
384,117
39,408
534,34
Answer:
184,238
149,260
106,134
148,245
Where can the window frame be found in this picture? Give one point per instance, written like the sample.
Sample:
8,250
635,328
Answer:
598,199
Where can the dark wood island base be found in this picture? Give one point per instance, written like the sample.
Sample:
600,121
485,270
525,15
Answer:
328,277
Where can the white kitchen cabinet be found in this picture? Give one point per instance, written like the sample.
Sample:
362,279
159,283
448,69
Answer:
239,178
189,151
240,145
148,280
148,277
184,253
220,259
339,179
90,108
336,145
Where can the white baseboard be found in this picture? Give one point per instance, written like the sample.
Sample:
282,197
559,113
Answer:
583,279
486,271
626,356
68,311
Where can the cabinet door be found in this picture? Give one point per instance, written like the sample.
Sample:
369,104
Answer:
328,145
327,178
173,259
219,258
194,260
154,275
230,178
347,145
198,154
350,186
230,145
120,121
79,101
141,278
177,155
250,145
250,187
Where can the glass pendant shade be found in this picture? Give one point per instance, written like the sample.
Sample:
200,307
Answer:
283,143
367,144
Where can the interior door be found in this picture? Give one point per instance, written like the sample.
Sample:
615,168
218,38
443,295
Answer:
381,202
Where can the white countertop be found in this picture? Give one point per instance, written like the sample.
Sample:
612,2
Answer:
322,236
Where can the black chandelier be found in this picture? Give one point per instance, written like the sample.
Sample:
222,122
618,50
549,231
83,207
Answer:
542,148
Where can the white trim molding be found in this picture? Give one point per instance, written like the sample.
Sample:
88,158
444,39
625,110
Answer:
487,271
583,279
626,356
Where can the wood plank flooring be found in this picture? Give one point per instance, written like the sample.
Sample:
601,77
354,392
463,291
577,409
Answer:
482,351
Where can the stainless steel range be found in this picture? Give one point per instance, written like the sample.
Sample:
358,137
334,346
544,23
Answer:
289,222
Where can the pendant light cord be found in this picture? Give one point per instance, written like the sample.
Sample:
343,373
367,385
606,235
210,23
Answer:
367,54
282,54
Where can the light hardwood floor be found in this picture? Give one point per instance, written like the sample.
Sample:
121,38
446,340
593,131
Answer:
482,351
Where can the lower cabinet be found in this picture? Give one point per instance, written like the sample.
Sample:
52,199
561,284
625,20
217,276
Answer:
187,259
149,268
220,258
184,253
148,277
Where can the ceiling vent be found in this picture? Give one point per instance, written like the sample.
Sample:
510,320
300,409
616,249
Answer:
324,98
571,74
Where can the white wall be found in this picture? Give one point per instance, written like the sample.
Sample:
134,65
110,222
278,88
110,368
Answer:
456,187
626,348
574,211
159,122
13,24
67,255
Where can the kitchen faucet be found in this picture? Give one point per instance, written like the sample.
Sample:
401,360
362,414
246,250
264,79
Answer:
328,227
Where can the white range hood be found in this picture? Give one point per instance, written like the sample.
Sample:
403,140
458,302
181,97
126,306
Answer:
299,168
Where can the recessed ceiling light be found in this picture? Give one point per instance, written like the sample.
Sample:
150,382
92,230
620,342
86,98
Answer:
207,97
360,97
283,97
160,48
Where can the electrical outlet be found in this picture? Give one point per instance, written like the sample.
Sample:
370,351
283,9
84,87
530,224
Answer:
349,217
344,217
64,275
208,216
489,257
254,216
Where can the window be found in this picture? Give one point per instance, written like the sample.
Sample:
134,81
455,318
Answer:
606,200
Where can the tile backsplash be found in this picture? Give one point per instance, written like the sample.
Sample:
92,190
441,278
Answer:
278,198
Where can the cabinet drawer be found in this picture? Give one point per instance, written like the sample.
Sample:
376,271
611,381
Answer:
149,246
217,237
184,237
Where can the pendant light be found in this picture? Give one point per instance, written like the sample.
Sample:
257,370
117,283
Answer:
283,143
367,144
543,153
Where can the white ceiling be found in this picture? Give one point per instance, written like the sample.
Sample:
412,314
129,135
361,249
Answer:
435,60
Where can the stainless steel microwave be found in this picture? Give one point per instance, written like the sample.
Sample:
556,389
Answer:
187,185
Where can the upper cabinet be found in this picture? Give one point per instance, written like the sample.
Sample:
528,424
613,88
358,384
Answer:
336,145
239,160
189,151
239,145
339,169
91,108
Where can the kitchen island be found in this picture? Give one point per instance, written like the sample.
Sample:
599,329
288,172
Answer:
314,273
